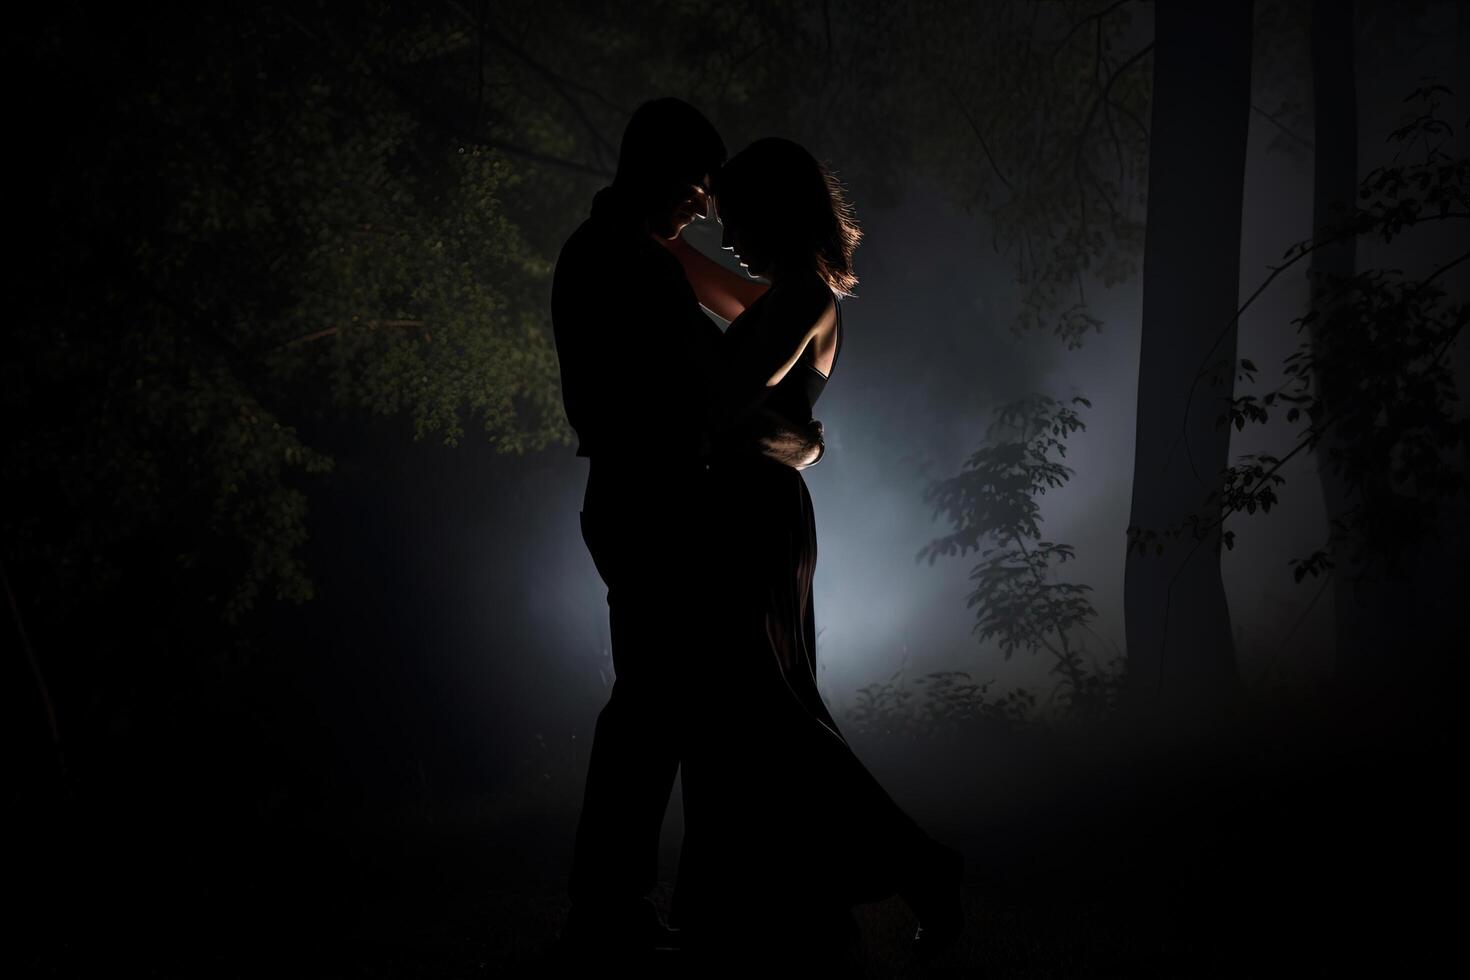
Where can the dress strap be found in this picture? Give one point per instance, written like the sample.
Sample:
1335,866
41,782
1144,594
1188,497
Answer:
837,301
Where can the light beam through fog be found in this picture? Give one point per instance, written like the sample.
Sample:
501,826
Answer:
928,355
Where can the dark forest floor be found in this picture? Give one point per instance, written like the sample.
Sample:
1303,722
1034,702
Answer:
429,904
1258,858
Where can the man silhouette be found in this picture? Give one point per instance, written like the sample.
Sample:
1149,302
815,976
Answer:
637,357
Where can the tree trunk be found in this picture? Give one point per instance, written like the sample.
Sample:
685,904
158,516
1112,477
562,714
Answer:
1181,654
1334,189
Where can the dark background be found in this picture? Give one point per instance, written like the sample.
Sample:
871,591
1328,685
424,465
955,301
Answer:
378,773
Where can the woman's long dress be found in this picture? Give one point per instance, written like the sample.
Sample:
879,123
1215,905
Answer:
785,829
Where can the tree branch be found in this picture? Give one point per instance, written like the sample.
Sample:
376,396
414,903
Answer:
447,125
1283,127
40,679
1084,22
334,330
555,80
995,167
1276,271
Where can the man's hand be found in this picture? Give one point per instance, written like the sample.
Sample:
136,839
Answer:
677,244
795,446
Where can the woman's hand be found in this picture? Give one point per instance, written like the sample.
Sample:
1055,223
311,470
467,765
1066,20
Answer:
796,446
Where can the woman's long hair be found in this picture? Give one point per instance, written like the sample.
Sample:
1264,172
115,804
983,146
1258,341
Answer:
784,198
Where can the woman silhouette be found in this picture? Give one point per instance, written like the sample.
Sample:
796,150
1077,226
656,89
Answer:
786,829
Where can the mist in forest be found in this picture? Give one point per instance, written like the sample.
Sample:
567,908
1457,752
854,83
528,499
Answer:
930,354
300,611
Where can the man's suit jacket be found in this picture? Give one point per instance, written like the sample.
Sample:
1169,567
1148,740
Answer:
635,348
637,354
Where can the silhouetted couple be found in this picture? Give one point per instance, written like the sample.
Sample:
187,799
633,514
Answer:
700,524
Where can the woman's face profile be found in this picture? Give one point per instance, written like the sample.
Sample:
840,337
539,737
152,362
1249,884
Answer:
751,256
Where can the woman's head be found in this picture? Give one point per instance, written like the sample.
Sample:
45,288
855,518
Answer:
783,209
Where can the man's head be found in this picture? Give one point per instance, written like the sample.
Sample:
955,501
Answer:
668,153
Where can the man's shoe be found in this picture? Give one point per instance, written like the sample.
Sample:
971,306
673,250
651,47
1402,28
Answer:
937,899
634,929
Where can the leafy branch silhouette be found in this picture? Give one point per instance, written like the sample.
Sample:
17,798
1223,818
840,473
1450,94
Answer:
994,507
1398,440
